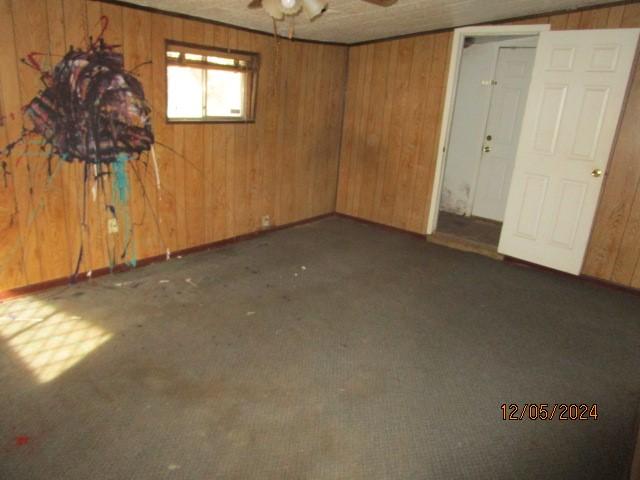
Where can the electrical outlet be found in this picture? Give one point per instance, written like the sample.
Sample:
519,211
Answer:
266,221
112,226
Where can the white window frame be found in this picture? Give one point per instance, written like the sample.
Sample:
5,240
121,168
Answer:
246,62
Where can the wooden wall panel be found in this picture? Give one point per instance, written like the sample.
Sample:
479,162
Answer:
217,180
391,130
395,95
613,252
13,222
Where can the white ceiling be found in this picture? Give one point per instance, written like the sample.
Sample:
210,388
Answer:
350,21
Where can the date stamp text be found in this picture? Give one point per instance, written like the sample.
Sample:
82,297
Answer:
549,411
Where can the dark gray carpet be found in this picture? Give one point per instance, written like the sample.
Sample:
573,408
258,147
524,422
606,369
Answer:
334,350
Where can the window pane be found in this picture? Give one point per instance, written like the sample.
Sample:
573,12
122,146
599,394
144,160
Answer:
225,93
173,54
221,60
193,57
185,92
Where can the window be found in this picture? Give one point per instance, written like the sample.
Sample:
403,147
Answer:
210,84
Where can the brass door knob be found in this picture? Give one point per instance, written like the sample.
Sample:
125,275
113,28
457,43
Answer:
596,172
486,149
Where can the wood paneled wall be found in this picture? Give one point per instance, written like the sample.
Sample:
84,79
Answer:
394,104
218,180
391,129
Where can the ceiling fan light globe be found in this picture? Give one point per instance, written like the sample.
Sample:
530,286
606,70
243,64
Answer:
293,9
273,8
313,8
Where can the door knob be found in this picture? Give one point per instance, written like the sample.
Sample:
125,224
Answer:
486,149
596,172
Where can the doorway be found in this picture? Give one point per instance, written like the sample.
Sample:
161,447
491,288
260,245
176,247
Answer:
491,92
574,102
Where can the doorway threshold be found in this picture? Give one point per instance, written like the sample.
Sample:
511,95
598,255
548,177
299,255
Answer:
470,234
464,244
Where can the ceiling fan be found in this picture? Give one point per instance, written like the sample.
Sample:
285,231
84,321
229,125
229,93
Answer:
312,8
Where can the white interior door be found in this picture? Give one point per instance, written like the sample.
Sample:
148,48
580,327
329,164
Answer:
472,100
512,76
577,89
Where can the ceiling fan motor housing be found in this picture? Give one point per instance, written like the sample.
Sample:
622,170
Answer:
279,8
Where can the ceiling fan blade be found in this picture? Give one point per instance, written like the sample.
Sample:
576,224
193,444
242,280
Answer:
382,3
255,4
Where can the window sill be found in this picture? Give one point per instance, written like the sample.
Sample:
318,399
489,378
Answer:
191,121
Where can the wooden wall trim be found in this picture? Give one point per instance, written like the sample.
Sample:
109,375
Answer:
381,225
582,277
510,260
62,281
58,282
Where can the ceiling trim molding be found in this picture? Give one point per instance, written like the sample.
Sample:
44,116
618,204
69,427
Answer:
124,3
184,16
498,21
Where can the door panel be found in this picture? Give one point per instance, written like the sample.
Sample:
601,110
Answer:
513,72
561,59
604,58
549,116
535,190
566,226
577,89
592,111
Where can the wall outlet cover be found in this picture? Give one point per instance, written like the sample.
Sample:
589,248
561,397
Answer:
112,226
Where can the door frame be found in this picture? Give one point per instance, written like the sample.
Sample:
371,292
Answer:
459,35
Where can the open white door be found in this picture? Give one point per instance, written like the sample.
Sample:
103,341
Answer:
577,89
